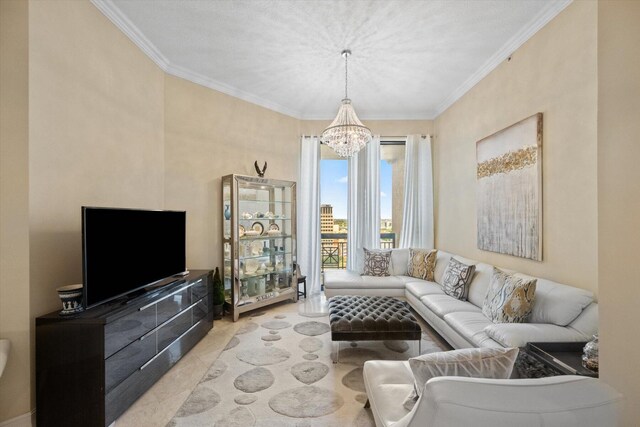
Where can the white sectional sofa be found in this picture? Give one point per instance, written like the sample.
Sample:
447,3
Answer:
566,400
561,313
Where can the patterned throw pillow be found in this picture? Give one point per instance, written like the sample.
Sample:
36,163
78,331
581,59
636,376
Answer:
509,298
496,363
422,263
456,279
376,263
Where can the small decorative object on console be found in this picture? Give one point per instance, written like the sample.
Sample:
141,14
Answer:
71,297
590,355
260,171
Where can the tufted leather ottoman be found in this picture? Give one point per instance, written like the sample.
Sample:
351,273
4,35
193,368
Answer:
371,318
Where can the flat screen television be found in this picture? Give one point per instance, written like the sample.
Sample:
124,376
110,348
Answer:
127,250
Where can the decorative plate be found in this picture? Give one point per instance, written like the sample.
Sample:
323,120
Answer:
257,226
240,231
274,227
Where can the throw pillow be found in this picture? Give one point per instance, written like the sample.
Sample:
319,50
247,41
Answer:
509,298
376,263
487,362
456,279
422,263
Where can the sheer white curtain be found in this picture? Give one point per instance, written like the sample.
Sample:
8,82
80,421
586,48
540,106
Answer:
308,208
363,208
417,223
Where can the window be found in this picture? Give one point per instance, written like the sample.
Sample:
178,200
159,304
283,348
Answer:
334,199
391,192
334,192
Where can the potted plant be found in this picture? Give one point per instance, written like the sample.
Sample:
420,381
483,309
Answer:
218,295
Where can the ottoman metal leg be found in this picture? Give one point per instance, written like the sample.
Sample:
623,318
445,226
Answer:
337,358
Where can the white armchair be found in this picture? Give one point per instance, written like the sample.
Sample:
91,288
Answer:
562,401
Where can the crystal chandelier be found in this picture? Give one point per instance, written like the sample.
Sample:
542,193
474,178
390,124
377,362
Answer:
346,135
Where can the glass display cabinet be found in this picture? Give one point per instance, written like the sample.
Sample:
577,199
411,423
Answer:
259,242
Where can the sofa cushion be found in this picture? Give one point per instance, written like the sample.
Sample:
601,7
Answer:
422,263
442,260
422,288
587,322
376,263
456,279
470,325
468,362
346,279
509,299
480,284
399,261
519,334
558,304
442,304
387,383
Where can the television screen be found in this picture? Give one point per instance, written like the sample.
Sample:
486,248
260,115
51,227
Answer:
125,250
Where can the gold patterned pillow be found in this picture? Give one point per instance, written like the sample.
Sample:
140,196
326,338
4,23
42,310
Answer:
422,263
509,298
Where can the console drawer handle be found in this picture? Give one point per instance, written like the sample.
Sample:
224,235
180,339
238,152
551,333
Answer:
167,347
169,320
170,295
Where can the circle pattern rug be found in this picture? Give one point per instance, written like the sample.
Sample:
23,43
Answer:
278,370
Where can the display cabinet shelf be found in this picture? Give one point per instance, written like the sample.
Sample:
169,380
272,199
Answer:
258,269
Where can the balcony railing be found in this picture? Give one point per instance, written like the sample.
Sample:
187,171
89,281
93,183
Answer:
334,248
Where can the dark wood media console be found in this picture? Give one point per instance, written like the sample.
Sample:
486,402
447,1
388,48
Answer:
91,367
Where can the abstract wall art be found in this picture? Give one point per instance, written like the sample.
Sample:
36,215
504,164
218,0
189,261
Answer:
509,190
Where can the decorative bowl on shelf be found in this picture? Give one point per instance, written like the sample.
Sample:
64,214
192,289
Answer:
274,232
251,233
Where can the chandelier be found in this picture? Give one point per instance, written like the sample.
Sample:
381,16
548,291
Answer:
346,135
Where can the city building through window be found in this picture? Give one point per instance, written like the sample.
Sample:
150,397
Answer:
334,181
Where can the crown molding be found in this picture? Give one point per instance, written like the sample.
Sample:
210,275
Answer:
197,78
113,13
541,19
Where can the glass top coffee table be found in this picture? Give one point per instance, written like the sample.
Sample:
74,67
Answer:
544,359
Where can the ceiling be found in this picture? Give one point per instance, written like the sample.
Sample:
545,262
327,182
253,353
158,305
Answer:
411,58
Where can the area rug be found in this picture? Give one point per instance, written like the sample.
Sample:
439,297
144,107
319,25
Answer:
278,370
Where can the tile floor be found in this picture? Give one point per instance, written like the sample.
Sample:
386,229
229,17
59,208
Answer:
158,405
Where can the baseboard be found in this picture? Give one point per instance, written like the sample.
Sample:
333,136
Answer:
24,420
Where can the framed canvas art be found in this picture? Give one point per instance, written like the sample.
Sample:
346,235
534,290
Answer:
509,190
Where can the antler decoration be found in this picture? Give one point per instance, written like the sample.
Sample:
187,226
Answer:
260,172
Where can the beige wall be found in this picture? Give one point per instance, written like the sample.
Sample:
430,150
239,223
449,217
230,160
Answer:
619,198
14,207
96,108
554,72
208,135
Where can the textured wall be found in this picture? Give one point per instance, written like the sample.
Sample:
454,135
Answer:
14,207
554,72
96,110
208,135
619,198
